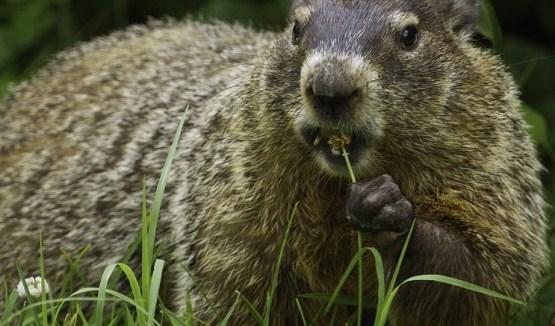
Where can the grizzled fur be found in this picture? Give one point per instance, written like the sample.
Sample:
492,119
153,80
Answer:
441,120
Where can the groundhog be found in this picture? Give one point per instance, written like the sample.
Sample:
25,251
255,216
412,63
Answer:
430,122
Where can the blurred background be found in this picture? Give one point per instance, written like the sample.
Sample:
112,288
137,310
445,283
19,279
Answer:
31,31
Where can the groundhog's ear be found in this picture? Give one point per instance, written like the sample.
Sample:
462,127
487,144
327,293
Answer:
461,15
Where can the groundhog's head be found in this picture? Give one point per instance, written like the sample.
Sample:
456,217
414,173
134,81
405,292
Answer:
384,75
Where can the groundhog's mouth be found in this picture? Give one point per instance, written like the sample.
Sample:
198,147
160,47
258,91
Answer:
330,144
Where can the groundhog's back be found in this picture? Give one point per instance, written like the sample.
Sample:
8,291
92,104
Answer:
77,140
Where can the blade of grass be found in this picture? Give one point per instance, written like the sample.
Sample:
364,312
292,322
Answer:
461,284
381,316
114,318
135,289
172,317
334,296
301,312
129,301
133,283
230,312
44,310
360,280
99,309
175,318
159,193
154,289
400,259
81,315
128,317
348,163
380,275
342,280
72,320
74,268
359,243
383,312
251,308
146,254
150,220
275,276
445,280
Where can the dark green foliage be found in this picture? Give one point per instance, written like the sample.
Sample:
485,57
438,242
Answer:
31,31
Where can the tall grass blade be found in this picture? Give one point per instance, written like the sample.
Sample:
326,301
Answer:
360,280
84,321
277,268
401,258
74,269
381,316
301,311
154,289
135,289
342,281
129,320
348,163
172,317
99,310
383,311
146,253
257,316
159,193
461,284
130,302
44,310
380,275
230,312
150,219
70,320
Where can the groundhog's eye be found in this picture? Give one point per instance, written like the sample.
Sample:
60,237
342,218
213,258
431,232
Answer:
409,37
296,37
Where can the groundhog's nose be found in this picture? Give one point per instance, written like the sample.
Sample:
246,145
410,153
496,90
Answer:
331,91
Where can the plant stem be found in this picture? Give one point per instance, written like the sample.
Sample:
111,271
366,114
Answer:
349,166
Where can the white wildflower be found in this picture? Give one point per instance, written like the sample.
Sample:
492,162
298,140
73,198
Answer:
35,287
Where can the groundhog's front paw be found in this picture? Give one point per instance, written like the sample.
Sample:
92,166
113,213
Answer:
378,207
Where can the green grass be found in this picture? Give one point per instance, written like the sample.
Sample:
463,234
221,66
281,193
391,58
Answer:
142,305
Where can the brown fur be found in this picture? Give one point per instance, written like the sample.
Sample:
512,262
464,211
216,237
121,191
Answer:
76,141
